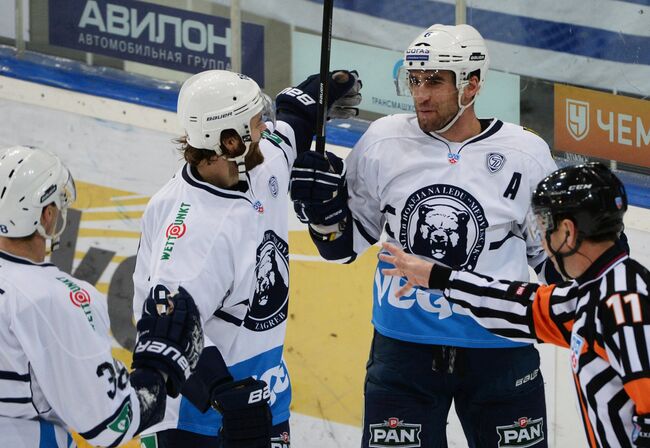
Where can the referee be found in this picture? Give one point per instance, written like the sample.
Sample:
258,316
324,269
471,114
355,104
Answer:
601,312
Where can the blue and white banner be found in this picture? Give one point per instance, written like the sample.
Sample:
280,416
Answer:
599,44
156,35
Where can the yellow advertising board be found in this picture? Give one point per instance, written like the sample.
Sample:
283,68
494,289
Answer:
602,125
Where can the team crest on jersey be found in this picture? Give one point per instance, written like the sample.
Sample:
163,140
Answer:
395,433
495,162
273,186
523,433
270,299
445,223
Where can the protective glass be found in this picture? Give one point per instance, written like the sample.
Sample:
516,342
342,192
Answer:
407,79
538,222
268,110
67,196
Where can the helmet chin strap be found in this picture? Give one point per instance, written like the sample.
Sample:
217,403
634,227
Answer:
240,160
53,240
559,256
461,109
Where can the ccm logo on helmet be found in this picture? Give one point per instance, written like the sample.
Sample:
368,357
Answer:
580,187
164,349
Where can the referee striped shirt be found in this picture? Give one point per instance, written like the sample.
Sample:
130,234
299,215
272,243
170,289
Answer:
603,317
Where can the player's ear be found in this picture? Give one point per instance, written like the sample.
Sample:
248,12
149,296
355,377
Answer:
48,216
569,231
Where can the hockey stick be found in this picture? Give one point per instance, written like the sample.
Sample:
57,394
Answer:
325,49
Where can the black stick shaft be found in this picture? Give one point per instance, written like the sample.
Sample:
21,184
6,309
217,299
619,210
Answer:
325,50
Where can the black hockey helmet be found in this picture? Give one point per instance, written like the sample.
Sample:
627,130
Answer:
590,194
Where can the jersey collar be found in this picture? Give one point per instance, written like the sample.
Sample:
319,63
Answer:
20,260
609,258
489,128
192,178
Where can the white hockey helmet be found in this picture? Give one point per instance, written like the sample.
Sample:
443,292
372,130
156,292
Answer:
31,179
457,48
215,100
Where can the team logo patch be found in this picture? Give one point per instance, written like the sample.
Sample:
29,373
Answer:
175,230
282,441
523,433
270,299
576,349
273,186
395,433
577,118
444,223
495,162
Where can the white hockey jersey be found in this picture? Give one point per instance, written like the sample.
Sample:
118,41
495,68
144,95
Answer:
56,368
229,250
463,204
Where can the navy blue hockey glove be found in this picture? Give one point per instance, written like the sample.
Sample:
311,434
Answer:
244,407
346,106
641,434
170,342
343,97
318,188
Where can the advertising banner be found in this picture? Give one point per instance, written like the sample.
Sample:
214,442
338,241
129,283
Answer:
156,35
602,125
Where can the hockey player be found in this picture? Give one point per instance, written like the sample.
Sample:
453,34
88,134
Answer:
602,313
450,187
219,228
56,368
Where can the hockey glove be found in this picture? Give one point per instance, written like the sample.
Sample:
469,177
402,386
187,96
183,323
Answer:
347,106
641,434
244,407
318,188
172,342
343,95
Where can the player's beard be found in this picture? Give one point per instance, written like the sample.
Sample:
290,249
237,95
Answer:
431,122
432,117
